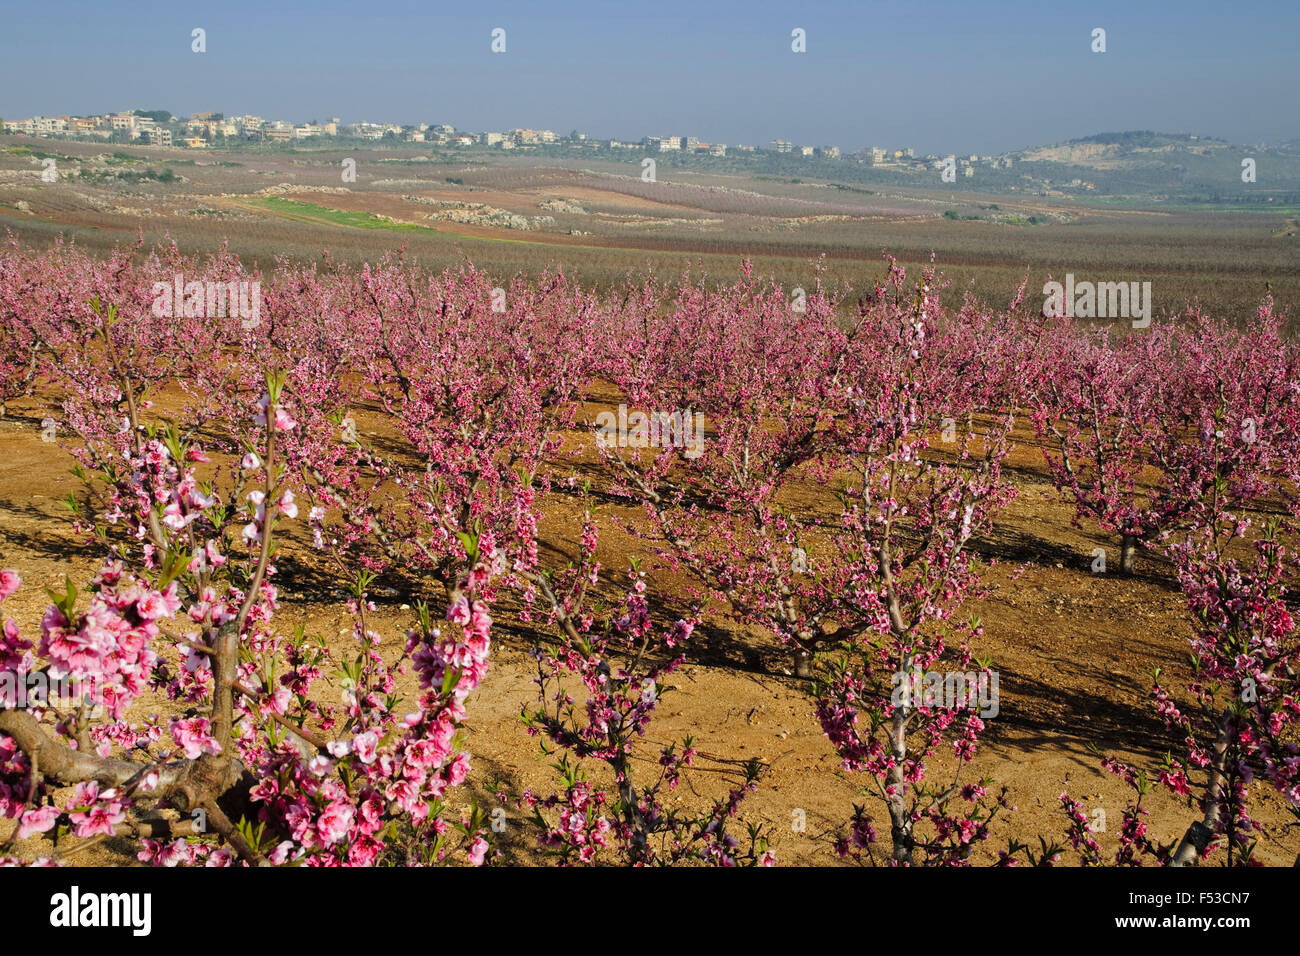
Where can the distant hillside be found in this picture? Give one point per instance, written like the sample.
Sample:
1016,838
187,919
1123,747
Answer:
1169,166
1104,150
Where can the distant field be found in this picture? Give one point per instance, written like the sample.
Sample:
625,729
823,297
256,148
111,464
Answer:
599,221
295,210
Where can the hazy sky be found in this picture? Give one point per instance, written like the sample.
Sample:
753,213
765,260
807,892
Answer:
935,75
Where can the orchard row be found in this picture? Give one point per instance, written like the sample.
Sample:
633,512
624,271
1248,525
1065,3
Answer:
202,438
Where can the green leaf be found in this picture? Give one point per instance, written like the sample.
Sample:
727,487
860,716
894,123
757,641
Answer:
470,541
67,601
172,565
450,679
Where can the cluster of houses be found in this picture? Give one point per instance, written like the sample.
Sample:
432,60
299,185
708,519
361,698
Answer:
906,159
205,129
157,128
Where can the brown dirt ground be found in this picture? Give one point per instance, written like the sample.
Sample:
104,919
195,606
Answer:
1073,650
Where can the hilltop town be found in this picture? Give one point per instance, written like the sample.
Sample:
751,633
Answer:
205,130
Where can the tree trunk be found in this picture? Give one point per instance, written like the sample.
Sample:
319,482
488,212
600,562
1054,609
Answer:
1200,833
803,664
1127,549
224,671
900,820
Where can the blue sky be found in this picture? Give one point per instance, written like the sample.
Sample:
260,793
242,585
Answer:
935,75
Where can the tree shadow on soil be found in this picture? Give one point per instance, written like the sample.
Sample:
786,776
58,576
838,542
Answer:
1020,546
36,538
1034,715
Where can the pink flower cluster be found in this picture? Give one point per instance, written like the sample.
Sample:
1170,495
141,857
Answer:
107,647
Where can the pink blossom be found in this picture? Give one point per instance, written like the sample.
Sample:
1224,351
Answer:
194,737
38,820
478,851
364,745
335,822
